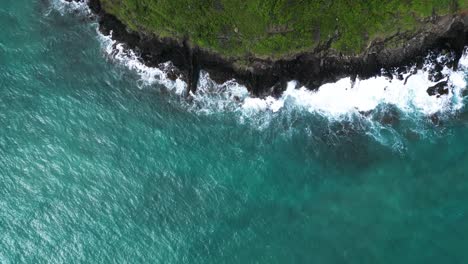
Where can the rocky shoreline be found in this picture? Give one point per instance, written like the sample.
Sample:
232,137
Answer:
311,69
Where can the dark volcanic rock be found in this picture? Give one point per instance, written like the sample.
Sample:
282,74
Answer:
435,74
438,89
265,76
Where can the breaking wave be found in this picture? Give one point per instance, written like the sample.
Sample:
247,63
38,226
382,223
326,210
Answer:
344,96
65,7
379,98
333,99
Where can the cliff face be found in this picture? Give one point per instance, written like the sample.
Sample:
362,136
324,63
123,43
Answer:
268,75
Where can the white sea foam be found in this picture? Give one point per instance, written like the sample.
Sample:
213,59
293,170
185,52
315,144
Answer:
334,100
148,75
342,97
209,97
212,97
65,7
464,59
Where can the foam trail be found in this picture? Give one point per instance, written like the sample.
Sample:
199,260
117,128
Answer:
338,110
65,7
342,97
210,96
148,75
333,100
464,59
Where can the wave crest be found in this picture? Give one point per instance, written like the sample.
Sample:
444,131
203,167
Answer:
373,101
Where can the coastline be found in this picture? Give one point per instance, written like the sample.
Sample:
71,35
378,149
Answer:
264,77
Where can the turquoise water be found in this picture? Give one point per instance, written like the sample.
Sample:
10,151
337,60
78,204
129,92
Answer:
94,169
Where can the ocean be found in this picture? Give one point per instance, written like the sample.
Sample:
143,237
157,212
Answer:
103,161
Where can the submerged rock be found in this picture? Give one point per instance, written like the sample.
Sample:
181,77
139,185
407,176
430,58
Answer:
435,119
412,135
387,115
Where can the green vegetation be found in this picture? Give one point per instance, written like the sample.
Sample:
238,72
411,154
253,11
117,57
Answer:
274,28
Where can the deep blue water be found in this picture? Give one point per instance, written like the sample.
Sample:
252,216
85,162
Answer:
95,169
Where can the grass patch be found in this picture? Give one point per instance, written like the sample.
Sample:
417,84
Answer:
275,28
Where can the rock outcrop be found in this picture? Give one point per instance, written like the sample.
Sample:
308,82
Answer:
311,69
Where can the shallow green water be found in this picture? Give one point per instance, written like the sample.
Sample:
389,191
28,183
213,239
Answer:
96,170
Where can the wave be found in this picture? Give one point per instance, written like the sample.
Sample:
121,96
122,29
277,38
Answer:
334,100
372,102
409,94
66,7
148,75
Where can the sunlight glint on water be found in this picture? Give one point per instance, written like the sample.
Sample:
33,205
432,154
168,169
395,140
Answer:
98,166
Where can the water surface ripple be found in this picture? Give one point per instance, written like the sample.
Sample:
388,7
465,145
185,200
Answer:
96,168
